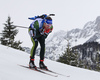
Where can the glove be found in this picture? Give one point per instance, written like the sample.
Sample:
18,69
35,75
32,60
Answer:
34,38
42,31
45,36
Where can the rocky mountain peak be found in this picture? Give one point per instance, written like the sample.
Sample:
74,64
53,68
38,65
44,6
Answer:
97,28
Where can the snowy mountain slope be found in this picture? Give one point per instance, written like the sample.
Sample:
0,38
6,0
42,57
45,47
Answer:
10,70
56,45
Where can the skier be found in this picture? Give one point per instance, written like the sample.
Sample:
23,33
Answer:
38,31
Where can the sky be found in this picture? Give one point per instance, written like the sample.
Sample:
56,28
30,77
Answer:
69,14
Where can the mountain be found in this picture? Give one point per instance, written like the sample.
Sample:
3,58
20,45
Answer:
57,44
10,59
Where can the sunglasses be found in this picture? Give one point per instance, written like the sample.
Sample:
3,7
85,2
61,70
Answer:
49,25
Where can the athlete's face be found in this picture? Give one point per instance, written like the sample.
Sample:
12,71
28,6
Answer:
47,26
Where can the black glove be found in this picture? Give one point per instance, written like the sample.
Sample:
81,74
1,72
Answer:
45,36
34,38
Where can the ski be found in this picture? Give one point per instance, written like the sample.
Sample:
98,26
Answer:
54,72
39,71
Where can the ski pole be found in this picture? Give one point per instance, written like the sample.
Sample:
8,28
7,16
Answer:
2,33
20,26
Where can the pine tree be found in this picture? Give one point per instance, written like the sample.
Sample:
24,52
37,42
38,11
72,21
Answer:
80,64
8,35
98,62
68,57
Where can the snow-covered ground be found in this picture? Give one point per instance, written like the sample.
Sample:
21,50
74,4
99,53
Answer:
10,59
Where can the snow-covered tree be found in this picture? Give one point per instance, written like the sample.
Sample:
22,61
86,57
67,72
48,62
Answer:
8,35
68,57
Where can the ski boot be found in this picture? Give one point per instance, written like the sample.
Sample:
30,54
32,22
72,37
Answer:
42,65
32,65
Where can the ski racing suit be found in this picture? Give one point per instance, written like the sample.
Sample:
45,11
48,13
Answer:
38,34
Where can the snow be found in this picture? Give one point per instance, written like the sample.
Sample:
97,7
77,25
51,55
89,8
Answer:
10,59
98,40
